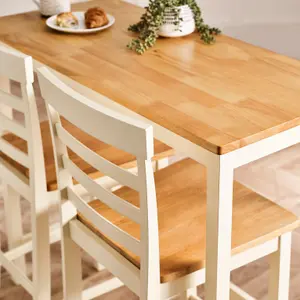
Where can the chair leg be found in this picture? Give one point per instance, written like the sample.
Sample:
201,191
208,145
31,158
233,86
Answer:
13,221
280,269
71,263
41,266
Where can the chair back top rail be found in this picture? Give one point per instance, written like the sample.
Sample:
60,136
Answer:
96,120
16,66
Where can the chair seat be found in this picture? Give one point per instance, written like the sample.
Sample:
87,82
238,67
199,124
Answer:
181,198
112,154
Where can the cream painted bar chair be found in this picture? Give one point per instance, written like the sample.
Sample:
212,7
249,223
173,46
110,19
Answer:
27,170
151,232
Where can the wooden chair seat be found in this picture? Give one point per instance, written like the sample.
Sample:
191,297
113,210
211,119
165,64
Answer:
112,154
181,197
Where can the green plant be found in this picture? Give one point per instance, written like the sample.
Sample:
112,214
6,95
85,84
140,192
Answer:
152,19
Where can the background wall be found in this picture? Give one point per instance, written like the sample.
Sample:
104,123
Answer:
216,11
8,7
245,11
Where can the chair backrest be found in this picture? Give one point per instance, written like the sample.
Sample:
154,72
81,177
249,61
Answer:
121,132
18,67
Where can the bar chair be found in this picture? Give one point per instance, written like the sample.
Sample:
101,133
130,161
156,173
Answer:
27,170
150,233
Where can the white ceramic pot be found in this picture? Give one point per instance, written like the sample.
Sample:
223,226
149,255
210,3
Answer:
186,25
53,7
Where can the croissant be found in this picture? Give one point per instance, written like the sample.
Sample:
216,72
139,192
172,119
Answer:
95,17
67,20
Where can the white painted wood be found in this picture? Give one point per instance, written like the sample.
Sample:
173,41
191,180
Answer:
280,269
14,178
16,273
264,147
162,163
129,134
14,228
110,199
252,254
180,285
219,226
188,294
39,203
71,261
150,259
237,293
99,163
7,124
14,153
26,246
194,298
12,101
15,65
4,109
109,229
109,257
101,289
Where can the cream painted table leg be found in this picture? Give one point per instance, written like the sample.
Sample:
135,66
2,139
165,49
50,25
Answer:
218,231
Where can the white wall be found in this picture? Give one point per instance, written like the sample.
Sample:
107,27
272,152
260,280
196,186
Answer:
9,7
250,11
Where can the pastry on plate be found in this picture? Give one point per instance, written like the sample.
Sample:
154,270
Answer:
95,17
66,20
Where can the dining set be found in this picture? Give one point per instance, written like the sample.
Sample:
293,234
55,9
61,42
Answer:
103,157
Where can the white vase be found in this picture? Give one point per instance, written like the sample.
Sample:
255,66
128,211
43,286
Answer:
53,7
186,25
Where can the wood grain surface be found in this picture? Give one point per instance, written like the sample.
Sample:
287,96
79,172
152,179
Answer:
221,97
182,219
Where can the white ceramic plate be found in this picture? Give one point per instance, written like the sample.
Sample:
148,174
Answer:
81,28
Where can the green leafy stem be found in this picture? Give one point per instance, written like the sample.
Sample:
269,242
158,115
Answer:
153,18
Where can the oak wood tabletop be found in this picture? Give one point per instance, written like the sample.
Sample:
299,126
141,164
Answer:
220,97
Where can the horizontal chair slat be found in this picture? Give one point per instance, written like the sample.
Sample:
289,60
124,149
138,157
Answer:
12,101
14,178
14,153
106,227
122,176
105,196
14,127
